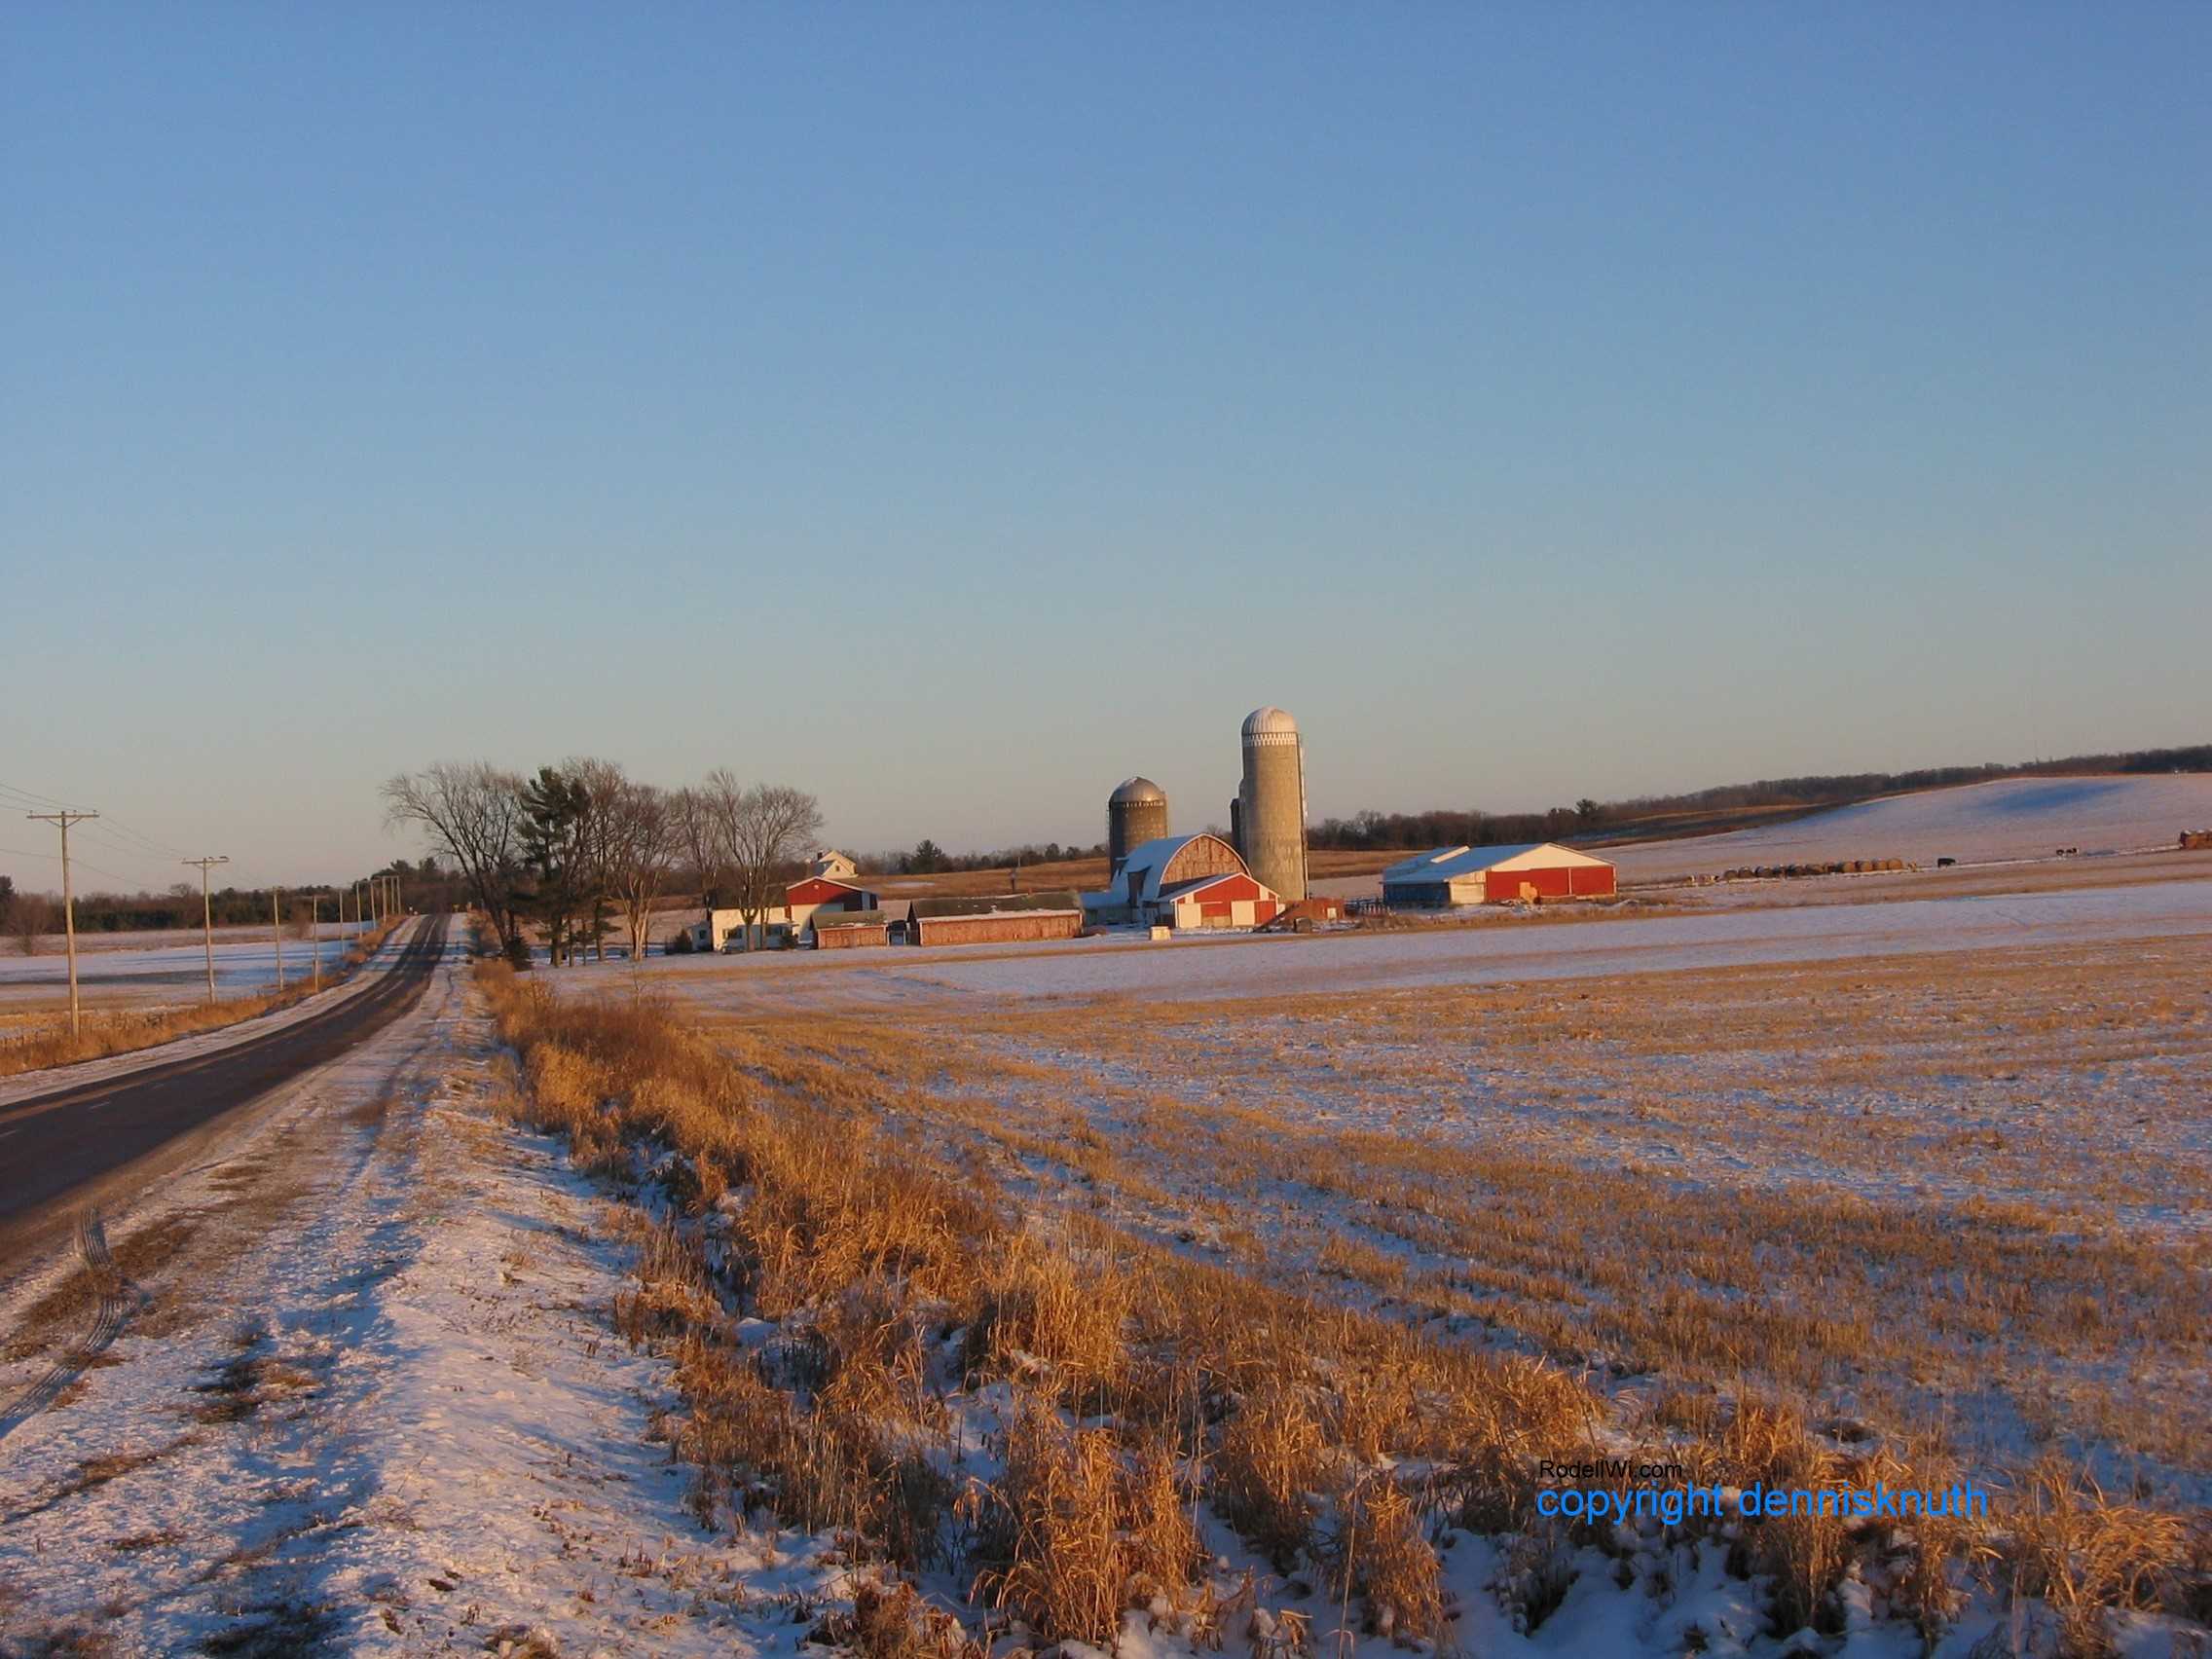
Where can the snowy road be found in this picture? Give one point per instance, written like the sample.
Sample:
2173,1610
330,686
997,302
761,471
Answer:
78,1129
367,1400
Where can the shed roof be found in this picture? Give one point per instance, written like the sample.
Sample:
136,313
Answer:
993,903
1447,864
994,915
848,920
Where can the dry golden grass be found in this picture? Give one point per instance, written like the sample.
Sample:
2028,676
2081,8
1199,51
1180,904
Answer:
1381,1552
1907,1175
1050,1528
848,1184
2083,1553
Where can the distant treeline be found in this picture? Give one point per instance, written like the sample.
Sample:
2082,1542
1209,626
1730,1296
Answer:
927,858
1859,785
422,887
1595,820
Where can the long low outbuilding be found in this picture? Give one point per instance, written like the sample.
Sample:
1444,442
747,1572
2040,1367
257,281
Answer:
849,930
1007,918
1532,873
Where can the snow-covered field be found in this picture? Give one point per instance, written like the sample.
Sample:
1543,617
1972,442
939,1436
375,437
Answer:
1244,965
2013,818
368,1394
171,971
2015,1081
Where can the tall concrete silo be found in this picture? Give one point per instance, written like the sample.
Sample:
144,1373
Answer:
1270,806
1135,813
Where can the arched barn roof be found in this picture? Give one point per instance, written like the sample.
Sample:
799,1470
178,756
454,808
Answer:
1170,859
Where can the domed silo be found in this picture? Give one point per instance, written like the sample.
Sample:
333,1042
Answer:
1135,813
1270,807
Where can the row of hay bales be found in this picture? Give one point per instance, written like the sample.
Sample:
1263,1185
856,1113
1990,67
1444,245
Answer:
2196,840
1840,866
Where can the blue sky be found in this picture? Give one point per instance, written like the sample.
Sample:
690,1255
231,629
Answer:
953,410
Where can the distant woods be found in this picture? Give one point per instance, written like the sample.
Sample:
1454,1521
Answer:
580,850
927,858
25,918
1655,814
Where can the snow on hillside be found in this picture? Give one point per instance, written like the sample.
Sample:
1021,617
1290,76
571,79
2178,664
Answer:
2016,818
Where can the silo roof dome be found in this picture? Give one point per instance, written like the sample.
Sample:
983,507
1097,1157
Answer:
1135,790
1268,722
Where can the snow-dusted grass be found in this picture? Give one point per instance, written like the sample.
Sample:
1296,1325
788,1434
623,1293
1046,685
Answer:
967,1246
1962,1191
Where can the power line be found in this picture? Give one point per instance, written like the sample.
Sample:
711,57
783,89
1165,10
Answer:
142,838
124,849
108,824
33,796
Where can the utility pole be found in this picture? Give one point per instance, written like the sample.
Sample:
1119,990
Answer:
207,917
374,918
315,938
276,931
65,818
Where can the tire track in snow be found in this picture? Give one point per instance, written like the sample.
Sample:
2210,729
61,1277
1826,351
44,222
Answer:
117,1296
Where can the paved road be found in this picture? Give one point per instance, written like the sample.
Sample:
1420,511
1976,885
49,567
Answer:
55,1144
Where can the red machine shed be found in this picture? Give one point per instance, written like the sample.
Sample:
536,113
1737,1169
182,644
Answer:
1496,875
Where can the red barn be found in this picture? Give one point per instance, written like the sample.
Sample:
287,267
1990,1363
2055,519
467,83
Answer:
802,898
1496,875
1186,881
1235,901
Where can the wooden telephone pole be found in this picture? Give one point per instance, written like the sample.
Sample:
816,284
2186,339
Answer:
65,818
207,917
276,931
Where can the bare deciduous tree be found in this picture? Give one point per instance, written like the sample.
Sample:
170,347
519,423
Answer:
472,813
762,832
605,785
638,836
691,817
29,919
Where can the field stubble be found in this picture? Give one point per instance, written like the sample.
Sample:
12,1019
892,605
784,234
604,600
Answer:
1058,1294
